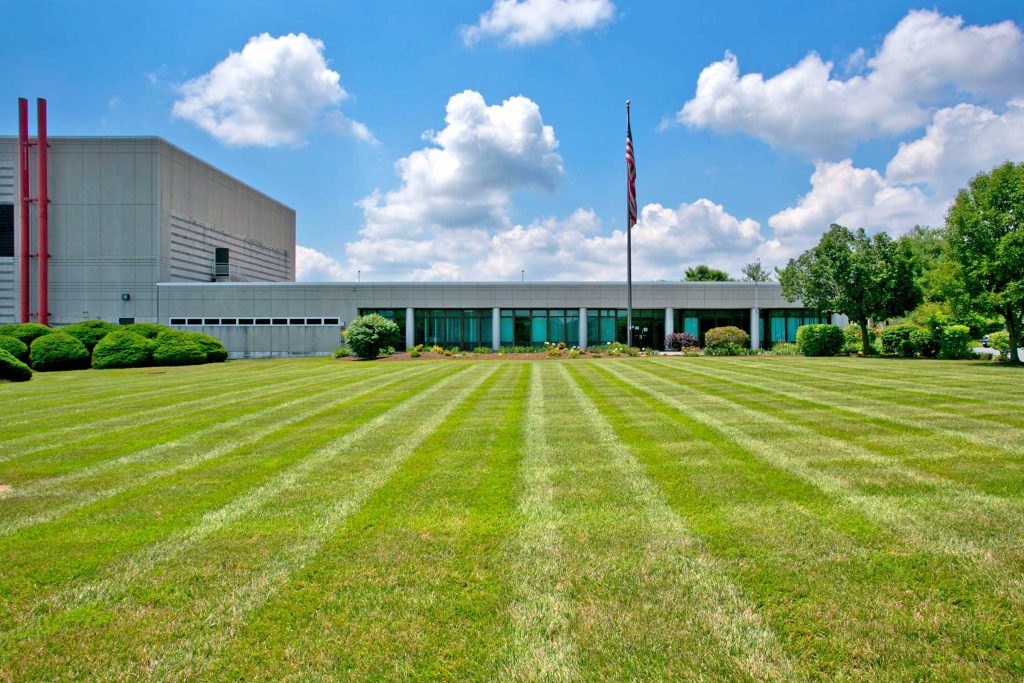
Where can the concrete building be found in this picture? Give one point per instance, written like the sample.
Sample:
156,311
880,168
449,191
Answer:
141,231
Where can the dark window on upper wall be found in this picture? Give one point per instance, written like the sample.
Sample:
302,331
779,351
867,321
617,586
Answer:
6,230
126,321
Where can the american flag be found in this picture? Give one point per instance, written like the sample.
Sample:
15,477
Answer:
630,176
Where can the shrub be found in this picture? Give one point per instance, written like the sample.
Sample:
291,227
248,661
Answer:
148,330
677,341
652,352
26,333
955,343
785,349
1000,341
819,340
851,333
554,352
905,340
122,349
436,349
369,334
415,353
178,348
12,369
89,332
723,338
58,351
215,351
343,352
574,353
723,349
19,349
481,349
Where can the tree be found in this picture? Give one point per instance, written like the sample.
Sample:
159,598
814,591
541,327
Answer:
703,273
985,232
755,272
860,276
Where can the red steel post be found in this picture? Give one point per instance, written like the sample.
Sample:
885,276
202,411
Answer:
43,212
23,283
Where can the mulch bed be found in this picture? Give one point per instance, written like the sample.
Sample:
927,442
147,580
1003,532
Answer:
489,356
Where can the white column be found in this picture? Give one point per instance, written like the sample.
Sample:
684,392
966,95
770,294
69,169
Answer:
670,324
755,327
583,327
495,328
410,328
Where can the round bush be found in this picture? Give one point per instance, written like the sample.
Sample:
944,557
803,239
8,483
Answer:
820,340
148,330
956,343
678,341
25,332
12,369
907,340
726,341
122,349
178,348
215,351
368,335
15,347
1000,341
58,351
89,332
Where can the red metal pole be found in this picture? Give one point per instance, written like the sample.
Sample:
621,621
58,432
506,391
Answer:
23,283
43,212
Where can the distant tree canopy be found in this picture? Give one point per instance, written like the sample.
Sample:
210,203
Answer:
985,237
863,277
704,273
755,272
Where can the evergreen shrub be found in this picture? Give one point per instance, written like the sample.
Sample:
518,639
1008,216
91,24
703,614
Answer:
89,332
12,369
906,340
15,347
178,348
215,350
1000,341
25,332
58,351
148,330
122,349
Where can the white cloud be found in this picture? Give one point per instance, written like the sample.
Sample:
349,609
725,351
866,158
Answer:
528,22
960,142
926,59
484,154
271,93
314,266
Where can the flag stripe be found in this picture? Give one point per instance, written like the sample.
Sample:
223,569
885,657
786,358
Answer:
630,177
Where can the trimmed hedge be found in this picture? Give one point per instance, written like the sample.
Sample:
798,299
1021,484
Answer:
677,341
368,335
907,340
178,348
58,351
15,347
956,343
820,340
122,349
726,341
215,351
25,332
89,332
148,330
12,369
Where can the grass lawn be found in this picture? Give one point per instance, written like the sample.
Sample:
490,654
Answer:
659,518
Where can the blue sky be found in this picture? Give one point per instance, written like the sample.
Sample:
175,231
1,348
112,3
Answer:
918,99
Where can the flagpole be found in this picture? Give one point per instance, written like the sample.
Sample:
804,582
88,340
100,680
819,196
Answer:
629,254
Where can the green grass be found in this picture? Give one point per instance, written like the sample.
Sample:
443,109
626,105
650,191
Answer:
756,518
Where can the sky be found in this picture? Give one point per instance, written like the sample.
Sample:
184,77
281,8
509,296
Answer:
485,140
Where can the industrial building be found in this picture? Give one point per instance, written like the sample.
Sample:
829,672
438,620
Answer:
134,229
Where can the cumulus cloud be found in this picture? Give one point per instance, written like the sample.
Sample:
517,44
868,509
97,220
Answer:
528,22
926,59
315,266
271,93
484,154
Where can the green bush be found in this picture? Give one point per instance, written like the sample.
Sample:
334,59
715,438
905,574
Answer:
25,332
482,349
851,333
724,349
785,349
178,348
906,340
122,349
148,330
1000,341
820,340
215,350
18,348
12,369
370,334
58,351
89,332
956,343
342,353
723,338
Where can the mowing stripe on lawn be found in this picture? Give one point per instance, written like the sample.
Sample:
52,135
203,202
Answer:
193,653
542,645
1012,442
921,533
128,419
933,374
695,574
118,577
81,500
